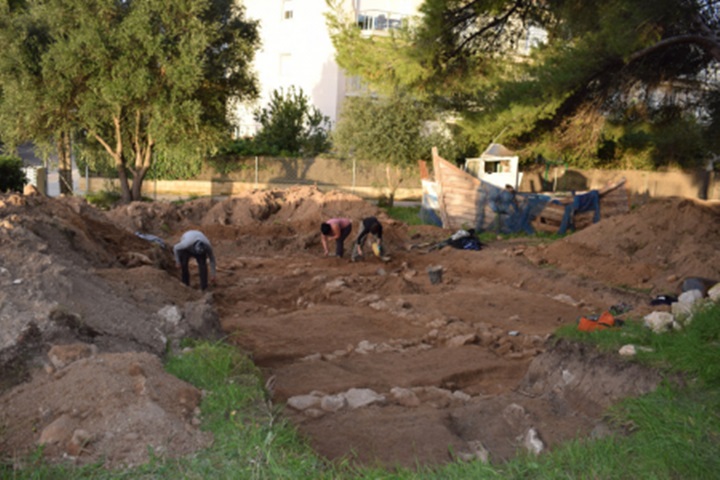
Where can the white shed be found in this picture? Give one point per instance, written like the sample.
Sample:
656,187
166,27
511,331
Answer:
498,166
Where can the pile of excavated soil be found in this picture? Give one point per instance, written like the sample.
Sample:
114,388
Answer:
371,360
114,408
653,248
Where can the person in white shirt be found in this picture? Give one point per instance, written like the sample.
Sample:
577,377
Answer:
194,243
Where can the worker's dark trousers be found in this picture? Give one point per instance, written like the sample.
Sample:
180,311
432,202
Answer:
202,267
340,242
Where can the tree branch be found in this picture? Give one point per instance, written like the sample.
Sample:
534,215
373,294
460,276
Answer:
500,20
709,45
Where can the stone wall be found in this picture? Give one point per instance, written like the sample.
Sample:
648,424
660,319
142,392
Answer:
650,184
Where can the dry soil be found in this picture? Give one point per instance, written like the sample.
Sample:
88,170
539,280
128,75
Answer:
462,368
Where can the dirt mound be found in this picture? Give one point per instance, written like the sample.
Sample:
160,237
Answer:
652,248
285,220
303,207
113,408
68,274
371,360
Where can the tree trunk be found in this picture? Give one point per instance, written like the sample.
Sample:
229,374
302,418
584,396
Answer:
124,182
392,183
142,146
138,178
117,156
64,164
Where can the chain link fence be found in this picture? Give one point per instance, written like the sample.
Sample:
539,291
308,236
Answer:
363,178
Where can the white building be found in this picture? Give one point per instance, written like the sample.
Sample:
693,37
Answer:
297,51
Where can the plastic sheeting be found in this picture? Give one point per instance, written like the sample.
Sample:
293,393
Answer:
497,209
505,211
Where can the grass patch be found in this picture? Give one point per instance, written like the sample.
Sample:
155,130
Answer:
488,236
407,215
694,350
107,199
673,432
104,199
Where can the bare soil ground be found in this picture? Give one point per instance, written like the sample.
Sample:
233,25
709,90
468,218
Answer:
444,370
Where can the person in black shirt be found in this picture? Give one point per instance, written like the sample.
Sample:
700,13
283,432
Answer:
369,226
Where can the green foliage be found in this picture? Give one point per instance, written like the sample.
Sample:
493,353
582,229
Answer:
241,147
227,164
12,177
603,62
96,161
395,131
104,199
389,130
291,126
712,129
155,76
169,167
383,62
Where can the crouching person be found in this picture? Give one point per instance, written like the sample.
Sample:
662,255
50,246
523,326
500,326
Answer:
194,243
337,229
370,226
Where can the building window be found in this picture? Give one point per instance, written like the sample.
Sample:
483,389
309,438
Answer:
287,10
380,20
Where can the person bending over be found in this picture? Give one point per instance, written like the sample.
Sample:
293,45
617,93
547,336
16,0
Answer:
370,226
337,229
194,243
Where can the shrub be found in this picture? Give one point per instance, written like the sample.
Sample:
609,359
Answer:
12,176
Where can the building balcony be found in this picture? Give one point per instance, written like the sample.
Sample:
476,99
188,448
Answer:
380,21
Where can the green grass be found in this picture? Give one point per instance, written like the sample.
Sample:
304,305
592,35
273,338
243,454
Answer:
671,433
408,215
107,199
104,199
694,350
184,200
250,439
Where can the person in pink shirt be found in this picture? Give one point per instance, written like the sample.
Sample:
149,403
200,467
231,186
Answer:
337,229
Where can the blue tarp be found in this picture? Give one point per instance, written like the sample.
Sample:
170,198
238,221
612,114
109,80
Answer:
517,217
512,212
581,203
